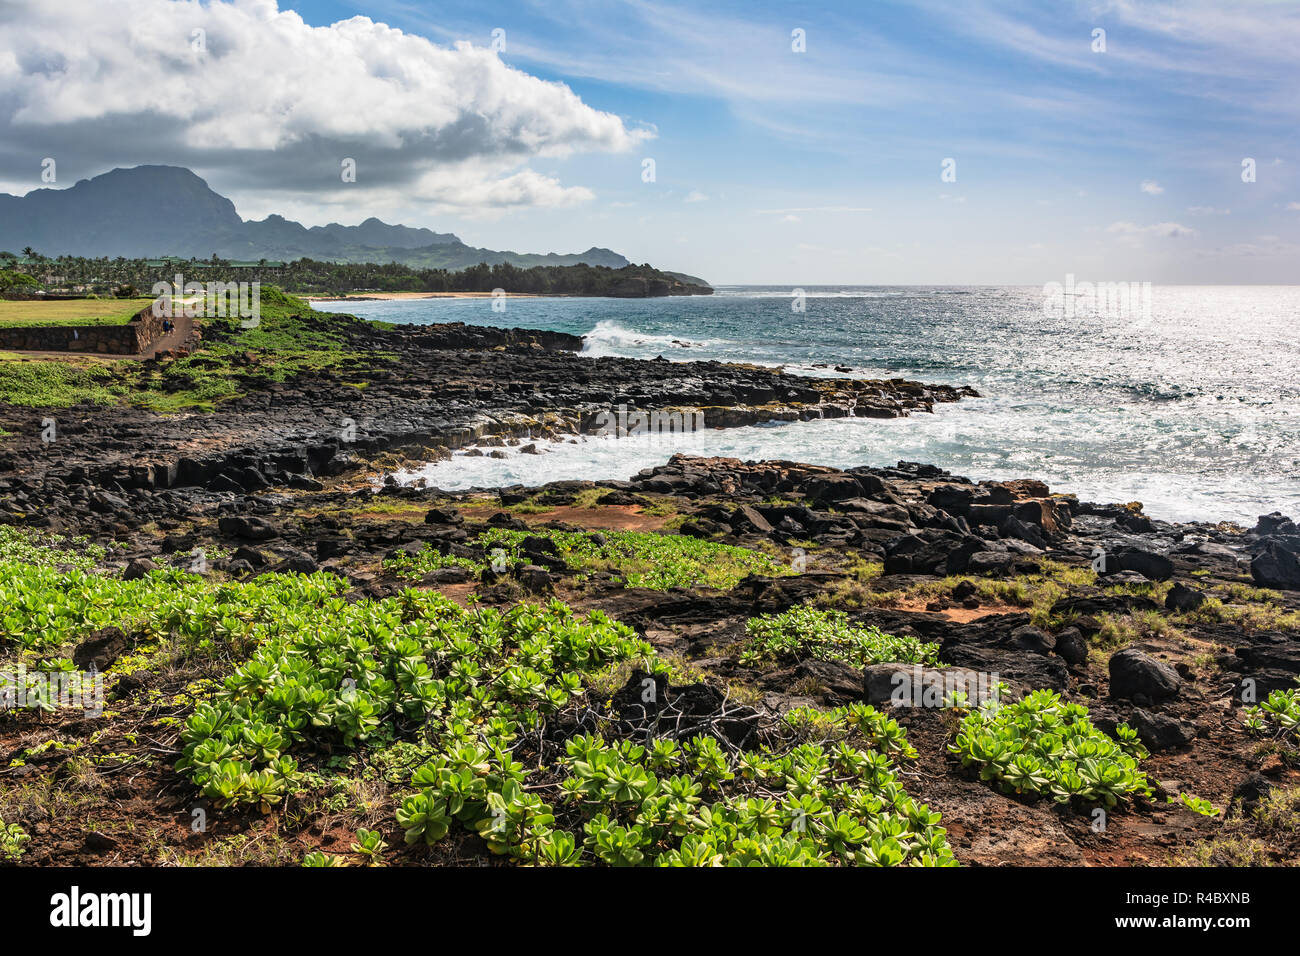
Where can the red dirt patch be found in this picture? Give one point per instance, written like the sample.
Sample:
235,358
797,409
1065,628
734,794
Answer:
958,615
601,518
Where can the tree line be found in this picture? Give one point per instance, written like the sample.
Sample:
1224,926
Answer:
128,277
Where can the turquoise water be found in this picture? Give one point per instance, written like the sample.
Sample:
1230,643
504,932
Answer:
1190,406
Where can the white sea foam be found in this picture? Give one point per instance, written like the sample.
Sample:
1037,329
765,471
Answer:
958,437
608,337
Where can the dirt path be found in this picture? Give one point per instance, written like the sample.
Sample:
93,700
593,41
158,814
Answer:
173,339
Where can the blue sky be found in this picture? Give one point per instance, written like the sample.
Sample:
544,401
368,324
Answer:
824,166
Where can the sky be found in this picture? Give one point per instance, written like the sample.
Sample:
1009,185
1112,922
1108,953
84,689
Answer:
854,142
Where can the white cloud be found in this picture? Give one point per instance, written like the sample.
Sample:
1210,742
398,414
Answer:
1164,230
1293,206
272,94
1151,187
696,196
465,190
1266,30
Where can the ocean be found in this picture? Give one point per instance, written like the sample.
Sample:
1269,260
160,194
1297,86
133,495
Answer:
1184,398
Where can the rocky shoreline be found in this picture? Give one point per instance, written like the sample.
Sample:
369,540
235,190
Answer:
1158,625
447,386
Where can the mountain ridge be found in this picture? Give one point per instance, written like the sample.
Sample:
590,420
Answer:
101,216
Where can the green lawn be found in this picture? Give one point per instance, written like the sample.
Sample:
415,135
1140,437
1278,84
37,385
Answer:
28,313
292,338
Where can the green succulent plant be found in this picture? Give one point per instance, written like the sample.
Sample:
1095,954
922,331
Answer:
1204,807
1279,713
809,633
13,841
1043,746
370,844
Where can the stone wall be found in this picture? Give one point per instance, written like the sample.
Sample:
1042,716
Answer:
127,339
148,328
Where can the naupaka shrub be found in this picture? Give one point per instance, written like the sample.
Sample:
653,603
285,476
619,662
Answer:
339,673
413,567
1042,745
479,685
45,607
1280,712
684,802
807,632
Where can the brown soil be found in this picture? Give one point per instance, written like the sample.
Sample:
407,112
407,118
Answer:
600,517
959,615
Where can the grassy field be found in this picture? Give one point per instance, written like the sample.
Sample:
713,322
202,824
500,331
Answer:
69,312
290,340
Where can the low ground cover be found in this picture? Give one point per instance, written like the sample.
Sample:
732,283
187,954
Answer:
641,559
500,723
1041,745
58,383
807,632
1278,715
